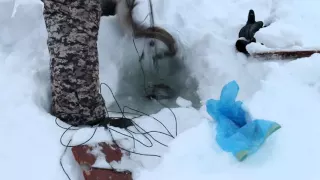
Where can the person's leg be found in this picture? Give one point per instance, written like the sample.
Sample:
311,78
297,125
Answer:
72,28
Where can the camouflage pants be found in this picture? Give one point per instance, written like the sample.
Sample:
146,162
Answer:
72,27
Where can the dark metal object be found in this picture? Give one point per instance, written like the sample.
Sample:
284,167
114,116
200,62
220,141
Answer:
161,91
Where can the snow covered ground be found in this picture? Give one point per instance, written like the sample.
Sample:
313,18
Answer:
287,93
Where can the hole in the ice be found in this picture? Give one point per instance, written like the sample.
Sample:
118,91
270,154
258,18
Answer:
173,80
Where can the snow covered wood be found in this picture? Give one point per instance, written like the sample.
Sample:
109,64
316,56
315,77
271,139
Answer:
87,155
285,54
97,174
72,41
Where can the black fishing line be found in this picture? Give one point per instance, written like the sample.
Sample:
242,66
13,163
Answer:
106,124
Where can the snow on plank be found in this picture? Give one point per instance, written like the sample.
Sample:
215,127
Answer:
88,155
286,54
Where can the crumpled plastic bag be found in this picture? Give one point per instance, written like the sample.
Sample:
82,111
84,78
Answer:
237,133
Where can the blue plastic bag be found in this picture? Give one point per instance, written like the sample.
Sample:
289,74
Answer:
236,132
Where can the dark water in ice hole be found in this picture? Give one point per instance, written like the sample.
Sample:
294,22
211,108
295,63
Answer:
172,72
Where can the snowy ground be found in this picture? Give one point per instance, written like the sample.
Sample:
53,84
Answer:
287,93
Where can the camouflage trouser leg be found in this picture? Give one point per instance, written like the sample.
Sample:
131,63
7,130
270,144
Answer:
72,27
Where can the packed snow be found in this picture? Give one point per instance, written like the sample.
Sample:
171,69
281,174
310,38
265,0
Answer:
287,92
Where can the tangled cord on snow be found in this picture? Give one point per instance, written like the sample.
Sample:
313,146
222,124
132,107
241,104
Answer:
108,122
125,122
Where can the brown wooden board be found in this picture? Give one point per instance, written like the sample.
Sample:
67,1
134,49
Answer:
287,54
83,156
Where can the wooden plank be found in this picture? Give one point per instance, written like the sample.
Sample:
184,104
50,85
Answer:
287,54
84,157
